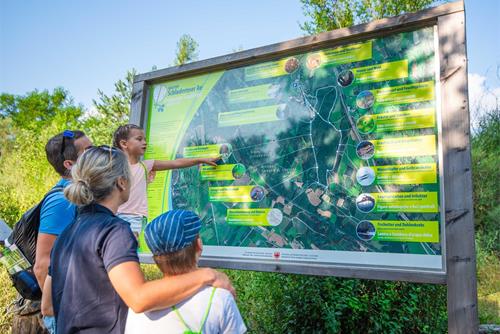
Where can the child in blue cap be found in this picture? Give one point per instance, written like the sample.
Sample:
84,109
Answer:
173,238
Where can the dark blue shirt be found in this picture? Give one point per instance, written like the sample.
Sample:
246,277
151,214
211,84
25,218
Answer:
82,295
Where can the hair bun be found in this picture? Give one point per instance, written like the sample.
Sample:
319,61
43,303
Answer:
95,175
83,183
79,192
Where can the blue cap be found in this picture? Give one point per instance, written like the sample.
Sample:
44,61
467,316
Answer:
172,231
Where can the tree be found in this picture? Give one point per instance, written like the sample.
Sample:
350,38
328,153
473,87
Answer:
116,107
327,15
7,135
37,109
26,123
369,10
187,50
110,110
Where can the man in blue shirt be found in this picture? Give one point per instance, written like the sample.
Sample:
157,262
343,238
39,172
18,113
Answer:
57,212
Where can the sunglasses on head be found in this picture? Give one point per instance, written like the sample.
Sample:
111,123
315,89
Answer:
67,135
102,147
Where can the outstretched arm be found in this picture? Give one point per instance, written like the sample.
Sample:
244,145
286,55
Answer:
183,163
142,296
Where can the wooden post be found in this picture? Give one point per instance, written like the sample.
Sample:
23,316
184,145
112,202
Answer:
460,250
138,111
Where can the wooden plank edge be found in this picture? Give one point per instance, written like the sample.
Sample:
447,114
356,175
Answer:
356,272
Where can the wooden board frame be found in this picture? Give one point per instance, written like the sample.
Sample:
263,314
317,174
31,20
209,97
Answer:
459,250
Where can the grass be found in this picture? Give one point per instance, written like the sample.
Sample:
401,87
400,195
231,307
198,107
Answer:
7,295
488,287
151,271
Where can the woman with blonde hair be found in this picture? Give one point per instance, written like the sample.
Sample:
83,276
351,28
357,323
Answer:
94,273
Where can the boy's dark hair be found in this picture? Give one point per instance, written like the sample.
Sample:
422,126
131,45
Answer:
60,148
180,262
123,133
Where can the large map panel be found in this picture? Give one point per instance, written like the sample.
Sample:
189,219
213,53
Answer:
329,156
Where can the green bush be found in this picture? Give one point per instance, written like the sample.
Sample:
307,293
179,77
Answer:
485,175
285,303
488,281
26,124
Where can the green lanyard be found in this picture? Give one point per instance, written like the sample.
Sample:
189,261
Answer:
188,329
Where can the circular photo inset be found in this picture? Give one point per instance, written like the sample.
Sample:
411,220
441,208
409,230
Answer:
365,99
365,203
257,194
365,230
365,176
274,217
314,61
345,78
291,65
365,150
239,171
366,124
225,151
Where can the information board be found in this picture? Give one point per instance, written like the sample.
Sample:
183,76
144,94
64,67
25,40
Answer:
345,153
330,156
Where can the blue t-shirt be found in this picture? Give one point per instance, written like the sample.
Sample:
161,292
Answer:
57,212
83,297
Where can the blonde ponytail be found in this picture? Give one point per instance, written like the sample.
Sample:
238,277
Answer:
95,175
79,193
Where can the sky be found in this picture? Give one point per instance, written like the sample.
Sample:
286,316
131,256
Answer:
88,45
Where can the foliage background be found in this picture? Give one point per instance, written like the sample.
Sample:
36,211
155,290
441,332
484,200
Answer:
270,303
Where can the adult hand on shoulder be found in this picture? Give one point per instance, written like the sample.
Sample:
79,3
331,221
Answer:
220,280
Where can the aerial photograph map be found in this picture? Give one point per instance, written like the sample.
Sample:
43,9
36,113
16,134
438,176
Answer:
329,156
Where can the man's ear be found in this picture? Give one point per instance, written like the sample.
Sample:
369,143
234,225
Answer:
68,164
